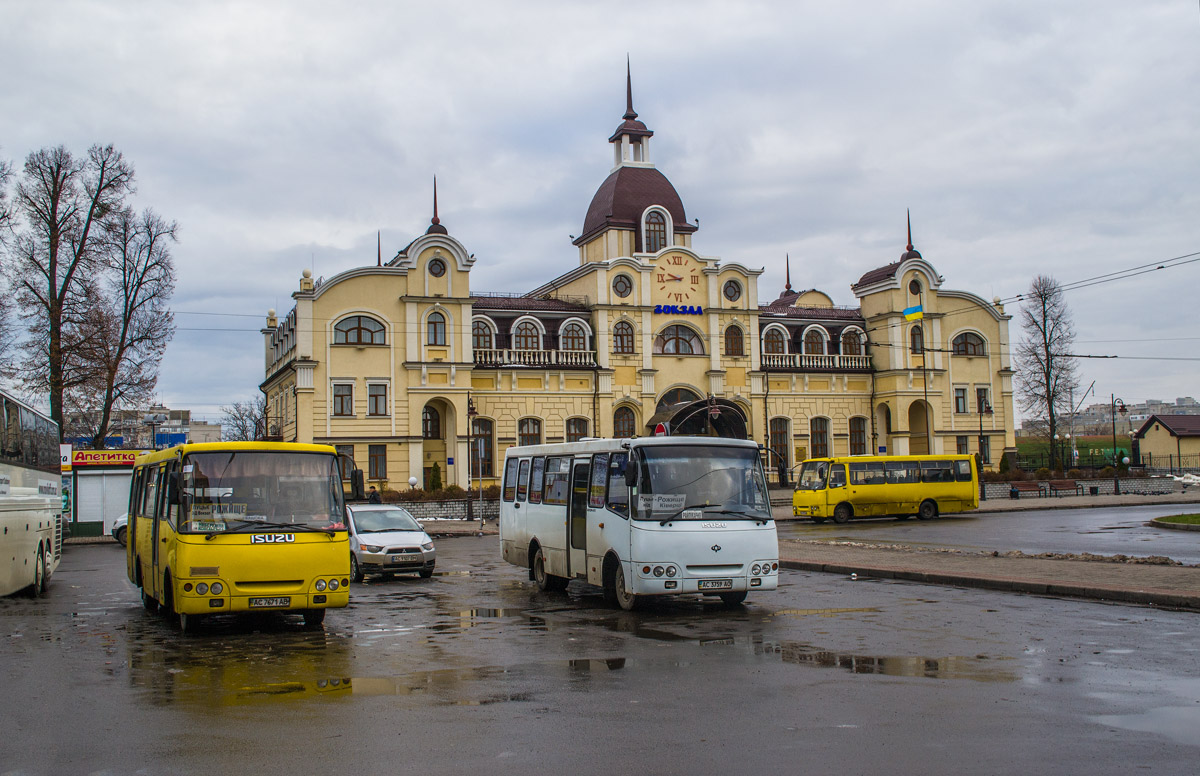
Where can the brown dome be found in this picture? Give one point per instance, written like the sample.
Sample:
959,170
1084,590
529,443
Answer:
625,195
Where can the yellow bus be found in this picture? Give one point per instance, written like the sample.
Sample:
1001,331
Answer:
234,527
885,485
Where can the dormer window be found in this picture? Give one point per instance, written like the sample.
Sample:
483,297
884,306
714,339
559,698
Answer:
656,232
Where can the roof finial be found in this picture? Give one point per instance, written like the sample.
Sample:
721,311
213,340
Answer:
437,220
908,216
788,264
630,113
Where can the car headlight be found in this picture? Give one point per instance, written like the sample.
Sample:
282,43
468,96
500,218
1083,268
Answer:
427,546
371,548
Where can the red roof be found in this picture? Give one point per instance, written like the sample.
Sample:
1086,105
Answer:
625,195
525,304
875,275
1178,425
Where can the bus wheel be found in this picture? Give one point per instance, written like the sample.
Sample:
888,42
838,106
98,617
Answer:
314,618
627,601
928,511
733,599
188,623
148,602
842,514
39,574
547,583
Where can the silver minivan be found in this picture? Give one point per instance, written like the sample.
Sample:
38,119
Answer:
386,539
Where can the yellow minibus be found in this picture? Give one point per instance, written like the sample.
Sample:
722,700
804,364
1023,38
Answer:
885,485
231,527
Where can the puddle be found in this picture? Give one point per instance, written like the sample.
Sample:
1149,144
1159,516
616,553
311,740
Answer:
822,612
978,668
1178,723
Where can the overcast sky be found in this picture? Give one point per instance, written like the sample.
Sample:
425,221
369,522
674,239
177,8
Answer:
1025,137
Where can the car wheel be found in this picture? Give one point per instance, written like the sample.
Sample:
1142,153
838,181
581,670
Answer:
842,514
314,618
120,536
426,573
627,601
928,511
356,574
733,599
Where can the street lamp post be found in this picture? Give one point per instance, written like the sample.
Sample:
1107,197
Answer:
984,409
1117,406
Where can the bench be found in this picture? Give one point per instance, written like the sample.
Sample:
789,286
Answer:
1017,488
1060,487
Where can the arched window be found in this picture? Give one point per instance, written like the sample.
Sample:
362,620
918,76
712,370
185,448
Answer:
819,437
656,232
622,337
527,337
814,343
858,436
677,395
678,340
431,423
916,339
851,343
482,447
573,337
624,424
529,431
969,344
577,428
481,336
358,330
735,341
774,342
435,328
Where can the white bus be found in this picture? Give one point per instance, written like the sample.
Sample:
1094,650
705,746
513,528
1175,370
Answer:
31,523
641,517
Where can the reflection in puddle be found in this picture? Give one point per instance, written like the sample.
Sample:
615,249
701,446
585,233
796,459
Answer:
823,612
979,668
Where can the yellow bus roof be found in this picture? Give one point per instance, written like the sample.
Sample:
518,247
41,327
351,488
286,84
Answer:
867,458
219,447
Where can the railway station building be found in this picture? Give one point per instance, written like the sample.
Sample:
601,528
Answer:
407,367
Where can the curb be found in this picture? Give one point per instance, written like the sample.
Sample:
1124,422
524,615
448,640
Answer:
1160,522
1145,597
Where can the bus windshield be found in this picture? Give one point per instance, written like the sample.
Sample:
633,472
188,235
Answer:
695,482
247,490
812,476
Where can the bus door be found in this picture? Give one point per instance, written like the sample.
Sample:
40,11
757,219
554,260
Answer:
837,489
163,531
577,518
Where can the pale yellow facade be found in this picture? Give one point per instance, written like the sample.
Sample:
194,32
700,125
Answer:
388,361
1163,441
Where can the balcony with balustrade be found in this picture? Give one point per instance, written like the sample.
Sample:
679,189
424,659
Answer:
815,362
509,357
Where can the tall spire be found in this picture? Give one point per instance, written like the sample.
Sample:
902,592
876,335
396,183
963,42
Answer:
909,252
630,113
907,216
435,223
788,264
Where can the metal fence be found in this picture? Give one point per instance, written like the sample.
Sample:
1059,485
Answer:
1083,461
1171,464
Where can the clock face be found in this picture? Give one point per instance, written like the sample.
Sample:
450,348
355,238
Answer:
679,278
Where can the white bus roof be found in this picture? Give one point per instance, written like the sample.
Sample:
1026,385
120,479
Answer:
611,445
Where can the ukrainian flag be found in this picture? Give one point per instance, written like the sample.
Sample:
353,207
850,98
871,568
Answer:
913,313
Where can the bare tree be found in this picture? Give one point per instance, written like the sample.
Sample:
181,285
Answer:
1045,367
244,421
64,203
129,325
7,339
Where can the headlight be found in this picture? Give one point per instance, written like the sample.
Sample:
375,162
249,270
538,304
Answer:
371,548
427,546
217,587
755,569
201,588
659,571
333,584
671,571
320,584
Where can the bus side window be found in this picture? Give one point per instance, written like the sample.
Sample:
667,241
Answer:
596,486
618,491
523,480
858,474
558,470
963,470
510,479
168,511
837,476
537,478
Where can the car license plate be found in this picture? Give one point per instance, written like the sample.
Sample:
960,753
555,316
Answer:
716,584
259,603
405,558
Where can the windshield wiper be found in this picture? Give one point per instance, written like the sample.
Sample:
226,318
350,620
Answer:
250,525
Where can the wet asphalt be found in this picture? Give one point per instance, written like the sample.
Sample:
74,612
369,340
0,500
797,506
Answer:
475,671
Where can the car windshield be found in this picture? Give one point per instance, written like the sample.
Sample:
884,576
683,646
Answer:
379,520
812,476
697,481
247,490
